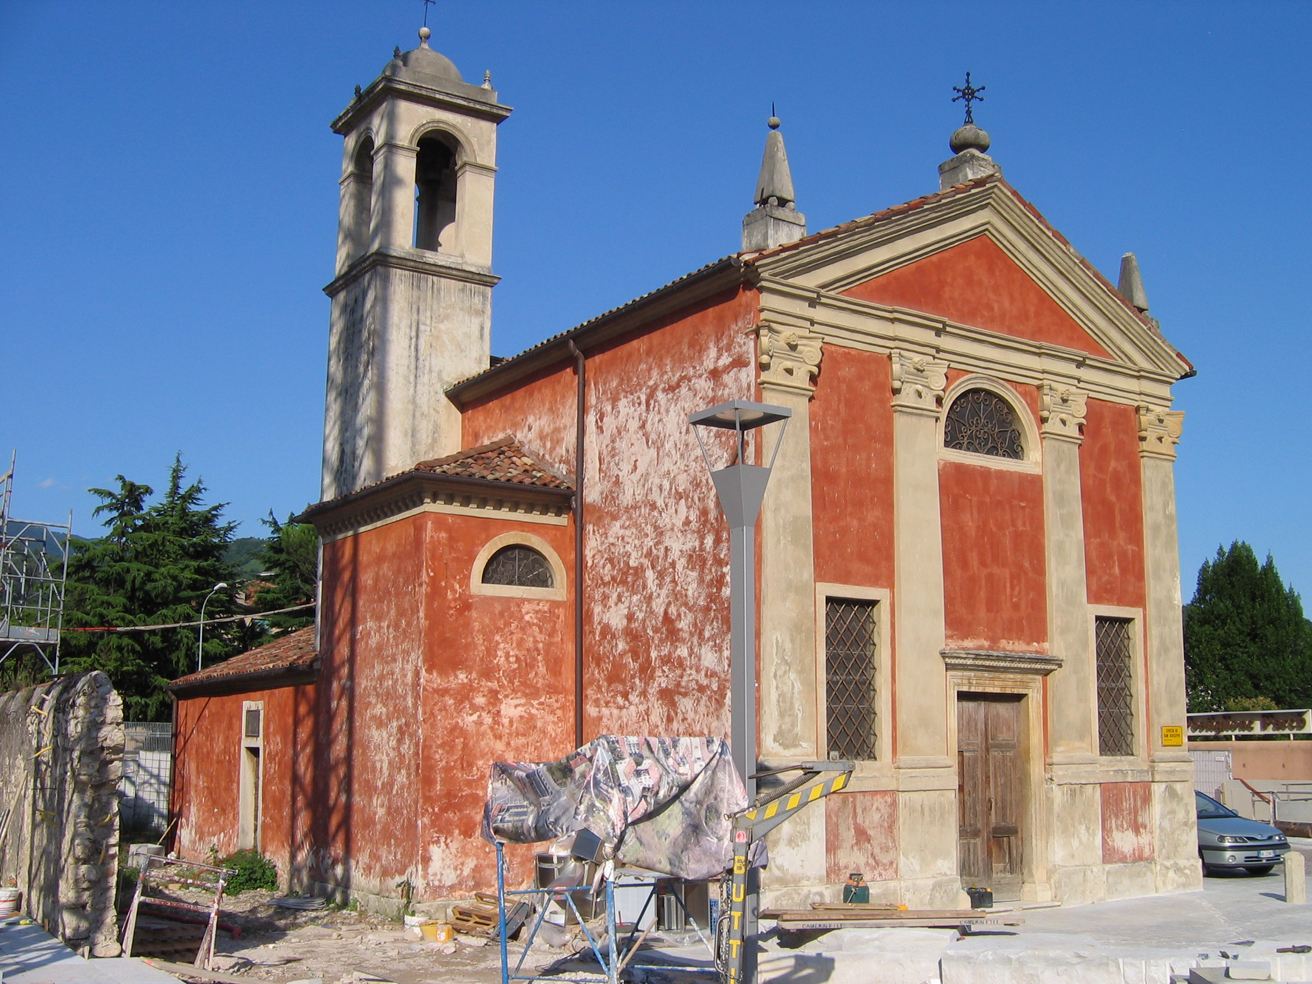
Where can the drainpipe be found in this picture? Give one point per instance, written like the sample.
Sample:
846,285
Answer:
581,372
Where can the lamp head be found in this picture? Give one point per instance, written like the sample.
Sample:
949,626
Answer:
739,415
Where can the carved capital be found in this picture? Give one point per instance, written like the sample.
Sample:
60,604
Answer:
918,381
1159,431
1062,410
788,357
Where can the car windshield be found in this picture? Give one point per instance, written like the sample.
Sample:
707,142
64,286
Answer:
1210,809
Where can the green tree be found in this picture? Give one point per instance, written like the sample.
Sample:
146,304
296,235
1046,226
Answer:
291,553
1245,637
155,565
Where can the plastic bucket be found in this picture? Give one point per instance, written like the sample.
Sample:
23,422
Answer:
9,898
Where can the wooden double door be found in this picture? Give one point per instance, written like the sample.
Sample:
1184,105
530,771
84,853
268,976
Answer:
991,797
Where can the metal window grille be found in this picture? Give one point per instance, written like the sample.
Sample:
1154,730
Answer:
252,722
850,678
1115,690
519,565
981,421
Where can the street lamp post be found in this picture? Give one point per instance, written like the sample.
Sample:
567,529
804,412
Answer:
200,635
741,488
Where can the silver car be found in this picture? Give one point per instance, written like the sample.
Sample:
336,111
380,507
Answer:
1228,841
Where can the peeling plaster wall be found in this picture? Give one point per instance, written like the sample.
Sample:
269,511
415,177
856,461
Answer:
377,772
1127,828
656,593
61,757
861,834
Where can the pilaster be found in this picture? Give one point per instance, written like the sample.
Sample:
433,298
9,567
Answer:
789,361
1159,432
1071,694
919,636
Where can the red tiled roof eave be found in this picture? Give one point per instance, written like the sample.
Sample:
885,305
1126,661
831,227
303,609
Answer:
288,655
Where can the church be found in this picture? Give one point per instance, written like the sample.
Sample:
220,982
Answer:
966,558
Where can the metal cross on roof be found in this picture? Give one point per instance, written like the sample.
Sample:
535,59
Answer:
429,3
970,94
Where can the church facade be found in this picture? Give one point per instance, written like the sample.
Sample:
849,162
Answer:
966,557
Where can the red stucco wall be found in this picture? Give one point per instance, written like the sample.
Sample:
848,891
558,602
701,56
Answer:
423,685
655,533
976,283
852,469
1127,830
1113,505
861,834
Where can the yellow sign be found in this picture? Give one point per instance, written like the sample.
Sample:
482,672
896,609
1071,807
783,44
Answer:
1172,734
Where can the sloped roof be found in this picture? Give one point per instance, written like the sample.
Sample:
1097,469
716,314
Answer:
739,268
287,656
504,460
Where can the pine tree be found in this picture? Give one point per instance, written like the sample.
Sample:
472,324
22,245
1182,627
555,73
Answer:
1245,637
291,554
155,565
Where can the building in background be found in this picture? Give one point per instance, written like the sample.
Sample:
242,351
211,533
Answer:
968,566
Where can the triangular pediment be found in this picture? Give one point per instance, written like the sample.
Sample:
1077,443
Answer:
979,256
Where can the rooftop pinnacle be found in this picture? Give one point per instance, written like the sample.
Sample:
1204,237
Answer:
774,221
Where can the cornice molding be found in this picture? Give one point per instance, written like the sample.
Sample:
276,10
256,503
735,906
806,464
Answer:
882,328
367,101
415,491
1159,431
1062,410
414,261
788,357
993,661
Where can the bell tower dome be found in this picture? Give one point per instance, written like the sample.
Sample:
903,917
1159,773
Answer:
412,295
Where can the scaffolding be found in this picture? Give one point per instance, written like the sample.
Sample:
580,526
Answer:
33,572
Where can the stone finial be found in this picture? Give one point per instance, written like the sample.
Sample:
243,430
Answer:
487,79
775,185
424,35
1130,285
969,143
775,220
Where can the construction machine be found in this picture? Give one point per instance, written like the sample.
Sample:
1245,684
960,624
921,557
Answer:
736,927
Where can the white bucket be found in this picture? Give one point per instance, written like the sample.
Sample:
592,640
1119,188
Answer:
9,901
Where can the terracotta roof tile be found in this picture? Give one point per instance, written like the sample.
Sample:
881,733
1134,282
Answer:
292,651
504,460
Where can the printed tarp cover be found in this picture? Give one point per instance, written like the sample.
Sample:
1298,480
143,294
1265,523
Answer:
657,803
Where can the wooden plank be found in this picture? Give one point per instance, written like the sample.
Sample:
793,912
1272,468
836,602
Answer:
954,915
823,922
195,973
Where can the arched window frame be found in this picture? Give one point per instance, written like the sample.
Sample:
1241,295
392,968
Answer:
1031,462
477,587
458,143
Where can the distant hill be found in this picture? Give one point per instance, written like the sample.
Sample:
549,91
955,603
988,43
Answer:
243,555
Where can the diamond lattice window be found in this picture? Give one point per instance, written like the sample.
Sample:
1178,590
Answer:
981,421
519,565
850,678
1115,690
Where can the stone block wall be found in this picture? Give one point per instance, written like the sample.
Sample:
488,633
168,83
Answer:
61,752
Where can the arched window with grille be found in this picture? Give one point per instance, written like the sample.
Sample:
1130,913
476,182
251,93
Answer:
519,565
982,422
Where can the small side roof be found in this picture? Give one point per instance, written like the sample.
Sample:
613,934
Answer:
287,660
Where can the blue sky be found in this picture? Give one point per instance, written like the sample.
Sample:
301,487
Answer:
168,195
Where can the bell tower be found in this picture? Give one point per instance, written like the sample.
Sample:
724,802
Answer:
412,295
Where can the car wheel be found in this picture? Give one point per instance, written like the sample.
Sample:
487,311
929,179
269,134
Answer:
1259,869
